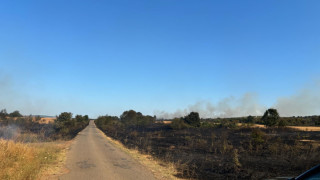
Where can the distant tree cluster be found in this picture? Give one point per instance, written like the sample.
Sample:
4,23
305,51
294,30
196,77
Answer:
66,126
4,114
134,118
106,121
128,118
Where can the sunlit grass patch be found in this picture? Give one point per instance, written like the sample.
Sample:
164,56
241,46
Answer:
25,161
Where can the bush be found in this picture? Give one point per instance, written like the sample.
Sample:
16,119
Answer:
270,118
250,119
192,119
257,136
227,123
178,123
282,123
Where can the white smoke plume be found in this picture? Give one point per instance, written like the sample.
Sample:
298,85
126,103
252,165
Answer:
9,132
303,103
248,104
13,97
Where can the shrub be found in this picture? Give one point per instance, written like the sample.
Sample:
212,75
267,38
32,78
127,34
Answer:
250,119
192,119
257,136
227,123
270,118
282,123
178,123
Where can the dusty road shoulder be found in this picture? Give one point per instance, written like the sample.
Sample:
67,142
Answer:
57,168
159,170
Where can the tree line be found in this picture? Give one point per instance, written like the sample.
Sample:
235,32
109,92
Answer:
64,126
270,118
4,114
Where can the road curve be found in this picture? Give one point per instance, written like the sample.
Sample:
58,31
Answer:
92,156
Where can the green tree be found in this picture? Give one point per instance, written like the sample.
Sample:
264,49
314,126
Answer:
132,117
192,119
250,119
3,114
15,114
64,117
79,118
270,118
129,117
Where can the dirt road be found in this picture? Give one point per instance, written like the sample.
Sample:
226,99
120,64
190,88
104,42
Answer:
92,157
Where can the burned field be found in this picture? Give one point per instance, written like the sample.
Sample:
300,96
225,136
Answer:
31,129
223,153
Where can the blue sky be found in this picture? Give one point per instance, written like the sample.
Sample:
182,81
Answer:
104,57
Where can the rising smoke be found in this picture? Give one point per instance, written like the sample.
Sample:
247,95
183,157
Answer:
13,97
303,103
9,132
228,107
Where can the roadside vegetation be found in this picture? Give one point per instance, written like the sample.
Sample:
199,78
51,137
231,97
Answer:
27,147
25,161
220,148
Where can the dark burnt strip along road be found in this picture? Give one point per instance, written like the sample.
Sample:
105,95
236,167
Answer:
92,157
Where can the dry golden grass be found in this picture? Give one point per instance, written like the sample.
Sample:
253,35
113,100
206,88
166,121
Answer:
306,128
26,161
161,170
300,128
43,120
47,120
167,122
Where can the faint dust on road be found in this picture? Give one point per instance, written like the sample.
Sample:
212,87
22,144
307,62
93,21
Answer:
93,157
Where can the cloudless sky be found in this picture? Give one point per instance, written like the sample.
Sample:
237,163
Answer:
103,57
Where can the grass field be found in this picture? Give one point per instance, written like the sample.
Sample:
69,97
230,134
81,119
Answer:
20,161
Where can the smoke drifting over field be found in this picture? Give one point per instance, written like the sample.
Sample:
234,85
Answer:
228,107
9,132
304,102
13,96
